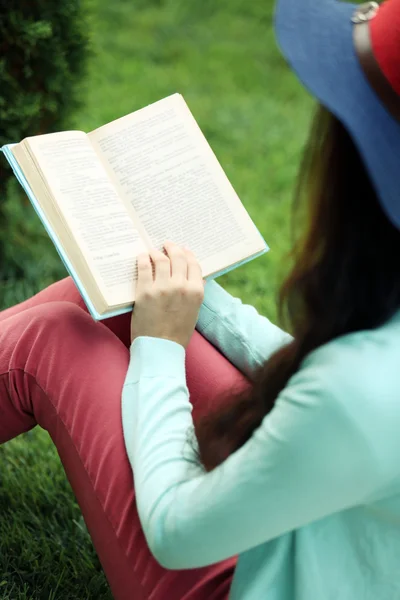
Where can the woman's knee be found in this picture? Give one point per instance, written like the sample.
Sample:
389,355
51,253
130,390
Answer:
50,322
55,316
49,316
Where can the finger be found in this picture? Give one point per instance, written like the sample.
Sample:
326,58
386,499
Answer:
194,269
162,266
178,260
145,270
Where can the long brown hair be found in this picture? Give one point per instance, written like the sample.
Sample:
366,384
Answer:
345,278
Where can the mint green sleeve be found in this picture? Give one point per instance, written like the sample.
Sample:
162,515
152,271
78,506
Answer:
310,458
246,338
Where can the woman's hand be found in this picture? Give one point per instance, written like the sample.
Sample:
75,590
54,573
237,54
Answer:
167,303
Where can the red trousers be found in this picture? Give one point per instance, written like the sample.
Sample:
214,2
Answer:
65,372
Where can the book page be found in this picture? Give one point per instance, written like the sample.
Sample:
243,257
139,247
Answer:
165,169
89,204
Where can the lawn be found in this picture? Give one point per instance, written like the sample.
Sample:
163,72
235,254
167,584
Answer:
222,57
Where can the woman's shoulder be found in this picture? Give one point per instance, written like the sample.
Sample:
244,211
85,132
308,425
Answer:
359,375
364,356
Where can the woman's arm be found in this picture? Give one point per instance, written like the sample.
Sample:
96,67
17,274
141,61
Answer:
242,335
310,458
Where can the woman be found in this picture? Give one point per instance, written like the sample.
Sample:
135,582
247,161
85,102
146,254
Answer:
298,472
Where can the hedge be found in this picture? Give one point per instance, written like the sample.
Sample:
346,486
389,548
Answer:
44,48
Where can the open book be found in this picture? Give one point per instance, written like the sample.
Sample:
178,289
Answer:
106,196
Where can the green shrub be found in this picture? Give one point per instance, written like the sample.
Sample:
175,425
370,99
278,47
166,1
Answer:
43,56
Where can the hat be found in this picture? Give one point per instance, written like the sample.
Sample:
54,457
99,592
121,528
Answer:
348,56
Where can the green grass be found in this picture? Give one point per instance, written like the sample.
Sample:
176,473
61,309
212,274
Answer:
222,57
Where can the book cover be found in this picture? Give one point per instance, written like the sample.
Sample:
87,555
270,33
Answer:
67,263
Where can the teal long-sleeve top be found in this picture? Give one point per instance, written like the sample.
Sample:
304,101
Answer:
311,503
